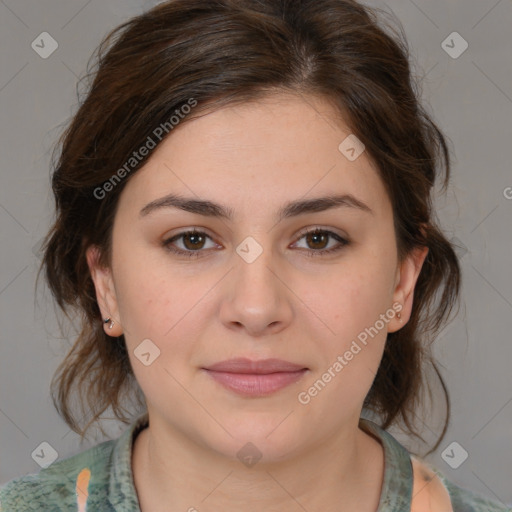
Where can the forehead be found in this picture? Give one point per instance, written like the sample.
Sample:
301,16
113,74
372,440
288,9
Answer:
259,154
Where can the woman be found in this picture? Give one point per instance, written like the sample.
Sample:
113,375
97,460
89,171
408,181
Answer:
222,144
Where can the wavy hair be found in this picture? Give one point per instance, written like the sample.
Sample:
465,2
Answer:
222,52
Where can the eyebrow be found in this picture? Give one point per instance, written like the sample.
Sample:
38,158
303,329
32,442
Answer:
291,209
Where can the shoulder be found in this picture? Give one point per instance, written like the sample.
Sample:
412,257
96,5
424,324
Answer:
64,485
432,492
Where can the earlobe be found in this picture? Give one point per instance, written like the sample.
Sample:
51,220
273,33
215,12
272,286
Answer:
109,321
105,292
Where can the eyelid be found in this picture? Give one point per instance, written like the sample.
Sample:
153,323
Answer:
298,236
188,231
312,229
342,240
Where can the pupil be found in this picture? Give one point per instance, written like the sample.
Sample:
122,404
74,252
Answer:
192,237
317,236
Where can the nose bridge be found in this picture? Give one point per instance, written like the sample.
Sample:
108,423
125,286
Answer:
257,298
253,273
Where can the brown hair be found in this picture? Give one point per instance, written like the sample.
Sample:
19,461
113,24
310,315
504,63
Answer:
219,52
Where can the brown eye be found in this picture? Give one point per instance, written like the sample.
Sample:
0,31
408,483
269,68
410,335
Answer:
193,243
317,241
193,240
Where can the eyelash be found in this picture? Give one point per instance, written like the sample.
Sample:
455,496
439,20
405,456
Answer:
310,252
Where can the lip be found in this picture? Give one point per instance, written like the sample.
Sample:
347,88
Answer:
255,378
261,367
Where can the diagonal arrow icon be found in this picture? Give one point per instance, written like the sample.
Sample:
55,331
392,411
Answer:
146,352
454,455
249,249
44,454
351,147
249,455
44,45
454,45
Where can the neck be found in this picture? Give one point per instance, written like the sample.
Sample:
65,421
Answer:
171,472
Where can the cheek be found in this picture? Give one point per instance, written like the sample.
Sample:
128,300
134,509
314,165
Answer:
355,297
162,304
150,294
351,302
165,320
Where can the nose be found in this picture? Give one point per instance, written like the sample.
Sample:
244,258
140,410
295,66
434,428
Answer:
256,298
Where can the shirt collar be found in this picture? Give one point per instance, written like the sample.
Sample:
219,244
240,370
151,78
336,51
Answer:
122,494
397,486
396,494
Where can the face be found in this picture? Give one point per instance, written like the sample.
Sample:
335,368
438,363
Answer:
317,287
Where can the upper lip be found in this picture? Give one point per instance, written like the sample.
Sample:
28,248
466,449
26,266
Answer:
263,366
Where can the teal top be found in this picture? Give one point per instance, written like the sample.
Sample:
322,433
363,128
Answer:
101,479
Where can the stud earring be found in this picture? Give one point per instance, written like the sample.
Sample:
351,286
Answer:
399,316
107,320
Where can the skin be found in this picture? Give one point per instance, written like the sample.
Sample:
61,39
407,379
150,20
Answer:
254,158
428,493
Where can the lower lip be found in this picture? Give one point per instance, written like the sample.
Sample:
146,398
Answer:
250,384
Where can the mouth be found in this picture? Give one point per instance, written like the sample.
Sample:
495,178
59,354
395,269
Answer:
255,378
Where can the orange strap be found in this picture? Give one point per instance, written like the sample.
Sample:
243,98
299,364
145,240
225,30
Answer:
82,489
429,493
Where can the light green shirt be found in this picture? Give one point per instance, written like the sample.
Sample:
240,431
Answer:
101,479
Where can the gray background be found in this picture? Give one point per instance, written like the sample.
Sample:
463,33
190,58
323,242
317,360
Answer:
471,98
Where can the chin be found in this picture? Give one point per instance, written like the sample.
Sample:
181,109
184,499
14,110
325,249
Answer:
255,436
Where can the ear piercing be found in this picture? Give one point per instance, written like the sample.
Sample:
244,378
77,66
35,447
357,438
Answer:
107,320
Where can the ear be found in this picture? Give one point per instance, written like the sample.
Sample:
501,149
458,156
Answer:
407,275
105,292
